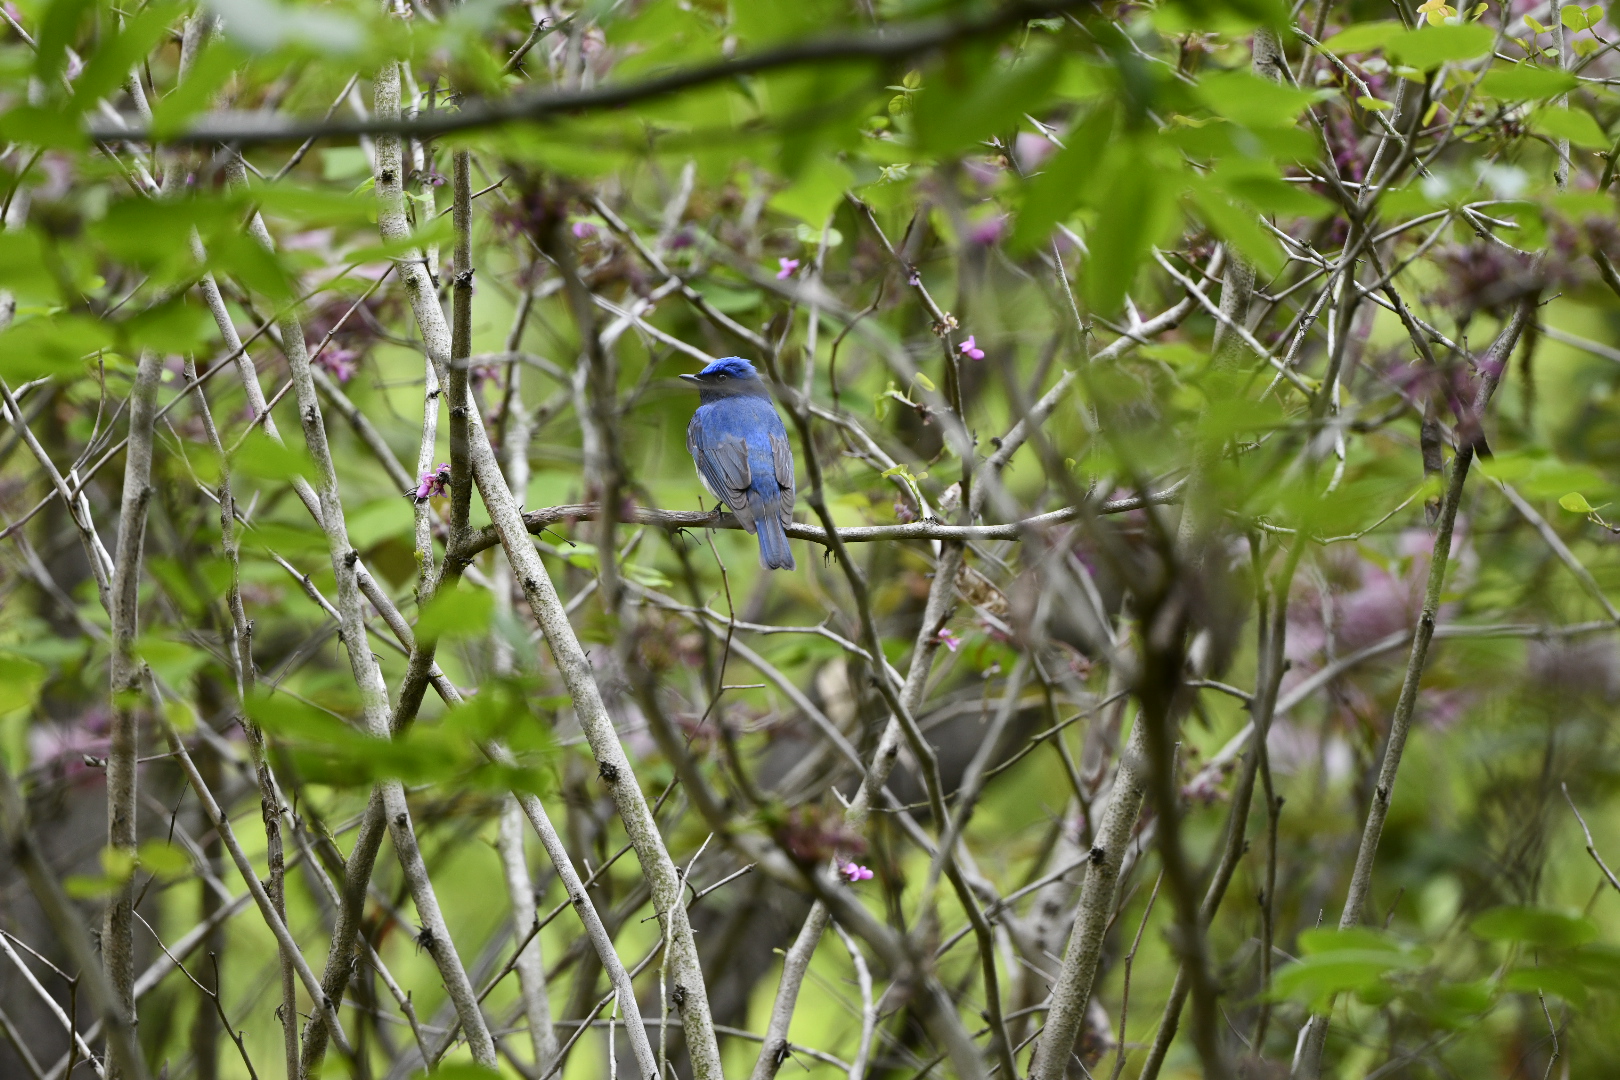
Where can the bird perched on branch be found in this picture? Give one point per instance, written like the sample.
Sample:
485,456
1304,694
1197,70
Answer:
742,454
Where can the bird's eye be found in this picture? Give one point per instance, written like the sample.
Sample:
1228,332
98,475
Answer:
725,376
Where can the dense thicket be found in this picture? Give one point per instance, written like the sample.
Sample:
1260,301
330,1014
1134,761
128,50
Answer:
1200,655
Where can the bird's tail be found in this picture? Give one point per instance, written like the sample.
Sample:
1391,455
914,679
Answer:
774,553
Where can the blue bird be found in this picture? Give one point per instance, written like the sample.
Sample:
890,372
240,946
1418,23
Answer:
742,454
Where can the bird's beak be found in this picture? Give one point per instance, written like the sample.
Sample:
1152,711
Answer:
691,378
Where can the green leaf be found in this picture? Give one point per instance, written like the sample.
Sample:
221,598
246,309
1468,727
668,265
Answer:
265,459
47,345
23,269
20,680
760,23
1373,104
1053,193
1123,233
665,32
460,1071
153,233
310,208
1573,124
1432,46
109,66
1259,185
1316,979
57,28
1552,979
1363,37
1177,354
819,187
731,301
1575,503
213,67
263,26
117,863
647,576
173,662
1573,18
1322,940
1523,82
1597,963
1453,1005
345,163
463,613
1252,101
813,237
1545,927
43,126
1239,227
962,105
163,860
330,751
235,254
179,325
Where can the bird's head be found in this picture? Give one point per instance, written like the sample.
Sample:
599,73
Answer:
729,377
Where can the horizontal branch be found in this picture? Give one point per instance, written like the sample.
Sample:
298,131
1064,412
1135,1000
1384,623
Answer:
538,521
245,128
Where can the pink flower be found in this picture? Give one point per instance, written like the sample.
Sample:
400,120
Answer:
970,349
341,364
914,278
788,267
1032,150
949,640
853,872
582,230
482,373
989,231
432,484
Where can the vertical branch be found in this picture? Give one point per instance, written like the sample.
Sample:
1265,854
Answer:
531,968
604,458
242,658
578,675
1313,1039
1072,990
796,962
1273,639
118,924
25,852
435,935
368,678
324,1005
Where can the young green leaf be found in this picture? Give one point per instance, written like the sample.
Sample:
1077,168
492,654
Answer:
1575,503
1431,46
1546,927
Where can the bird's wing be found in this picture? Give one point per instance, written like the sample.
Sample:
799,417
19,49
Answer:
782,458
723,463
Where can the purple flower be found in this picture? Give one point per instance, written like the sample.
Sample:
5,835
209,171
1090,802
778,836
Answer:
970,349
788,267
853,872
1032,150
582,230
482,373
914,278
949,640
341,364
432,484
989,231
